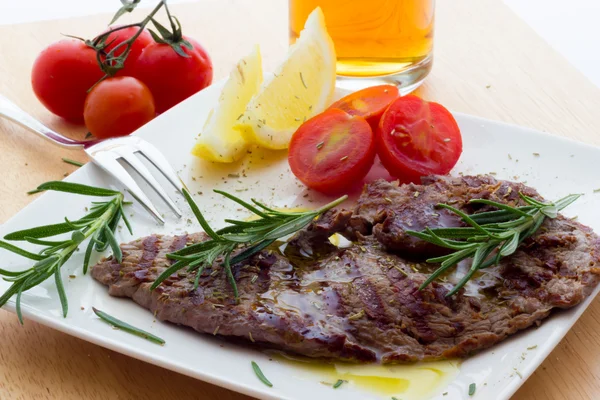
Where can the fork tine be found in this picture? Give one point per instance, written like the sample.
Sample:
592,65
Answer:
112,166
160,162
128,155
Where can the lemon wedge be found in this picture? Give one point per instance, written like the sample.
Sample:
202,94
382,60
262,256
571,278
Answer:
300,88
219,141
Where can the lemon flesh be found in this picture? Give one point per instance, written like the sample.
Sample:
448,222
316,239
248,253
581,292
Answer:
300,88
219,141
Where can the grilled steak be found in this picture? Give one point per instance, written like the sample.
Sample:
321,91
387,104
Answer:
362,303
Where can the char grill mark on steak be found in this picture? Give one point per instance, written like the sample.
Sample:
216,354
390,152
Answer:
362,303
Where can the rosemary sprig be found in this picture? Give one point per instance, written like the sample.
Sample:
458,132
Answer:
99,224
124,326
244,237
490,235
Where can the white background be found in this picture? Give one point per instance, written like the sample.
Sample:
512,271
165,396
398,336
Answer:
572,27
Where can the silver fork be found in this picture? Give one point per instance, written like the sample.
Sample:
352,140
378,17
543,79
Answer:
106,154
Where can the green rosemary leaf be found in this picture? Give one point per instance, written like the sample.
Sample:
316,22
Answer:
229,229
260,374
10,292
550,211
464,217
168,272
101,241
531,200
60,288
290,227
19,251
40,232
439,259
247,224
77,188
125,219
54,249
239,238
229,273
243,204
510,246
532,230
194,248
17,277
449,262
88,254
566,201
497,216
72,162
199,216
198,275
76,225
270,210
6,273
114,245
46,263
248,252
504,207
42,242
117,323
212,254
173,256
35,280
472,388
455,233
338,384
18,304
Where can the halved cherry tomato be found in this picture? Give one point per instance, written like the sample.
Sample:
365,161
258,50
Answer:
369,103
140,43
118,106
417,138
332,151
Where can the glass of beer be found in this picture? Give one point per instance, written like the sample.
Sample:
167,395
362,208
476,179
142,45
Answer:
376,41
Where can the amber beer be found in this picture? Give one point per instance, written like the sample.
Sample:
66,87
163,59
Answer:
375,38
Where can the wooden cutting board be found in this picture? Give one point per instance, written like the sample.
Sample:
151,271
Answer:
487,63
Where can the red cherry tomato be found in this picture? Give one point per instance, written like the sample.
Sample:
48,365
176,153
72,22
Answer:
417,138
61,76
369,103
140,43
173,78
332,151
118,106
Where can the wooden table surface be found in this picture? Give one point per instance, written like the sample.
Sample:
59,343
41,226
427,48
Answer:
487,63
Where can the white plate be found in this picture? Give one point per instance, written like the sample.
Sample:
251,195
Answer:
562,167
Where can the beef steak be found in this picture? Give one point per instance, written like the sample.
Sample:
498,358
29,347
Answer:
362,303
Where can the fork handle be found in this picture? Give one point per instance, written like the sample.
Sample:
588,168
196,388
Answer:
10,110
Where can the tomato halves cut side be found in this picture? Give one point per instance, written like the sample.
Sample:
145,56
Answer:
417,138
332,151
369,103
